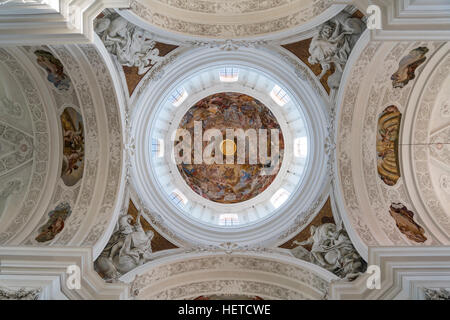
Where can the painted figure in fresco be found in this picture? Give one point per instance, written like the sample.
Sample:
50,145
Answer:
333,44
331,249
55,223
387,145
54,68
129,247
73,143
131,45
407,67
404,220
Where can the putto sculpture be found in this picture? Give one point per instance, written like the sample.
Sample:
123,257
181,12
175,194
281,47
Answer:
332,250
333,43
129,247
132,46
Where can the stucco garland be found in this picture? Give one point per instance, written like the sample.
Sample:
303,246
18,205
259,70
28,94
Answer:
250,288
238,6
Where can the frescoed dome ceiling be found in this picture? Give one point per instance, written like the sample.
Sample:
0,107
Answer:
240,180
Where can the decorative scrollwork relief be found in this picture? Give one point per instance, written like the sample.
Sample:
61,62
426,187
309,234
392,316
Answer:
19,294
227,30
35,147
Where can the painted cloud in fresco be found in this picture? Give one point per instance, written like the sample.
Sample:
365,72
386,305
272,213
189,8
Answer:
407,67
55,223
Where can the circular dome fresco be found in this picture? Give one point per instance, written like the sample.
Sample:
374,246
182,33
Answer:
236,178
202,184
242,167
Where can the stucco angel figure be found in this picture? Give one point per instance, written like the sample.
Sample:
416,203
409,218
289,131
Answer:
128,248
333,43
131,45
331,249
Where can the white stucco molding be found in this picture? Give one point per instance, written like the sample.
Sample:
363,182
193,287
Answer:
405,272
45,268
176,25
51,21
275,229
409,19
338,203
184,275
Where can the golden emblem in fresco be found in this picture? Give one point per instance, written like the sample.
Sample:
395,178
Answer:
228,147
387,145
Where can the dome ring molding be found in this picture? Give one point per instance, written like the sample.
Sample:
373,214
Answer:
273,230
269,104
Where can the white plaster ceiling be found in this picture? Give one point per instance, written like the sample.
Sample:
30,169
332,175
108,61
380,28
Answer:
31,146
24,144
439,136
229,19
363,198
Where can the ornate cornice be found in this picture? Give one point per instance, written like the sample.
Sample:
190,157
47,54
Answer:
20,294
51,22
188,17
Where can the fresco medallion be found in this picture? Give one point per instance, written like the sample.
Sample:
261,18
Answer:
234,180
